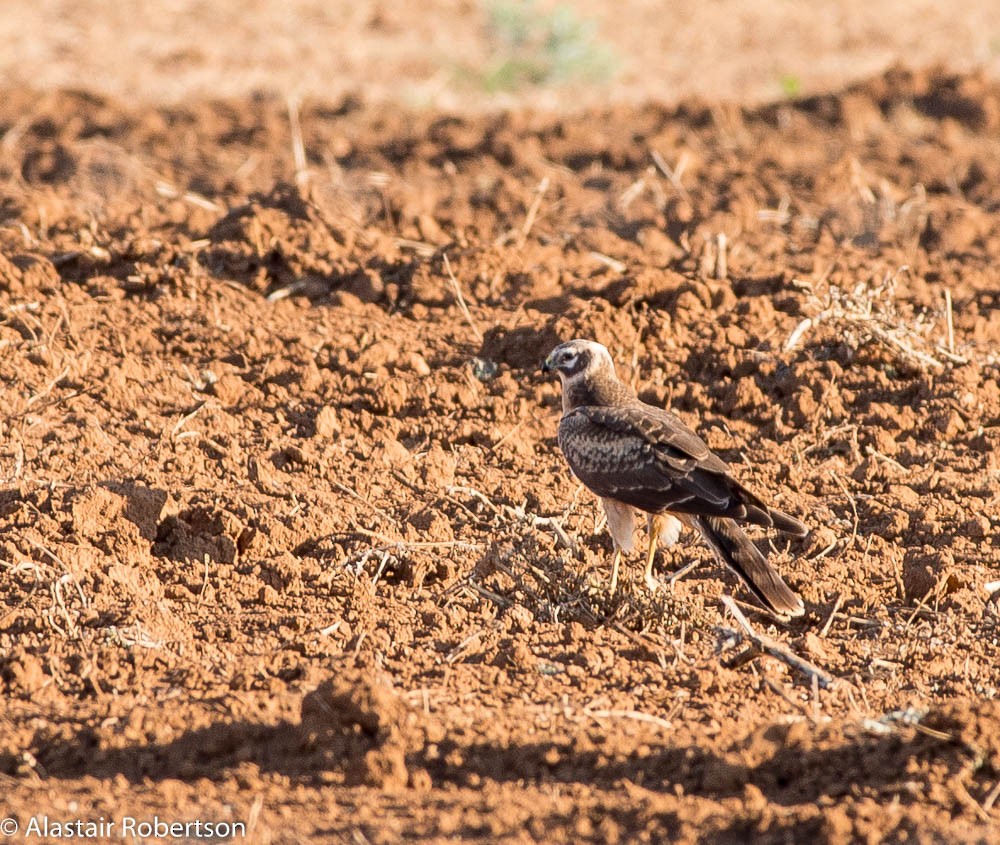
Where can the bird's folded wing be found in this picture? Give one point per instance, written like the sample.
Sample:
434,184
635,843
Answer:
648,459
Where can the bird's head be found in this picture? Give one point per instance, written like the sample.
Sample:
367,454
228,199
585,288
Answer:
576,358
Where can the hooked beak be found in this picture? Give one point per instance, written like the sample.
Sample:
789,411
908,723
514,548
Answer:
547,365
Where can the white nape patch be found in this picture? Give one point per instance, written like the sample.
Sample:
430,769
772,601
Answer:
621,523
670,529
600,358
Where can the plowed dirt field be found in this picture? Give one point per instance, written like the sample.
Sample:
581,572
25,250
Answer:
285,535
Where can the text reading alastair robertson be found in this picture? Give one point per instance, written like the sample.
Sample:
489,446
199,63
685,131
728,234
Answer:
128,827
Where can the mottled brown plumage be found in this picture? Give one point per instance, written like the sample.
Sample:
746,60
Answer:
637,456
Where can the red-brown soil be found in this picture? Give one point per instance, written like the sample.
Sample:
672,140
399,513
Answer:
278,514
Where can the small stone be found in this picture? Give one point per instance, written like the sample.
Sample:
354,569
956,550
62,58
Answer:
229,389
327,424
484,369
417,364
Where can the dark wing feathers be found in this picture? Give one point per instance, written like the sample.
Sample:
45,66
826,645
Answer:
649,459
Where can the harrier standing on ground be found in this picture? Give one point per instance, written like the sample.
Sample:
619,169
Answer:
634,455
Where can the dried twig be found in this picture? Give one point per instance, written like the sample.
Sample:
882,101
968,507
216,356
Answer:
496,598
993,601
24,566
419,247
991,799
253,818
630,193
782,693
922,603
920,360
797,333
950,321
962,791
509,434
679,574
392,542
829,620
354,494
778,651
18,464
520,514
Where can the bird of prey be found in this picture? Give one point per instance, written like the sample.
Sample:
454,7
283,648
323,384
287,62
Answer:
637,456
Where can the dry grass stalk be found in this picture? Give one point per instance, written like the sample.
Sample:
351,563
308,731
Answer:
298,147
520,514
395,543
529,220
57,585
854,508
636,715
165,189
631,193
18,464
457,290
934,592
721,265
950,321
613,263
186,418
422,249
868,314
673,174
782,693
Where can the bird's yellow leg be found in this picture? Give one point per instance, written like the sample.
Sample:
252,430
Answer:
615,561
655,525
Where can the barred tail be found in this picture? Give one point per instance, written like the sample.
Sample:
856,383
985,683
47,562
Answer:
736,551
